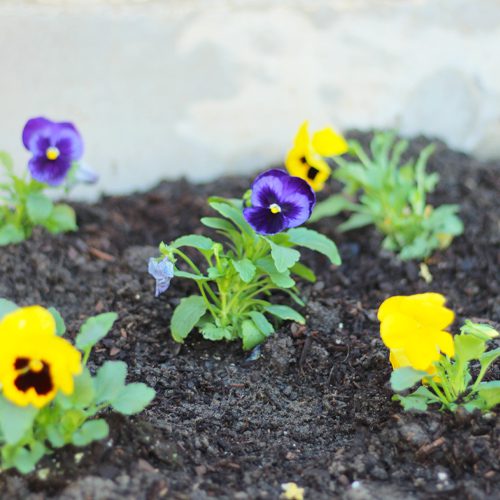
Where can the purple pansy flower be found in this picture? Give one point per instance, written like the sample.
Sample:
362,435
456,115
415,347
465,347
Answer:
279,201
162,271
55,146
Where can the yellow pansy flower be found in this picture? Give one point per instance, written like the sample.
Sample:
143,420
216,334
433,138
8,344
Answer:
305,159
412,327
34,362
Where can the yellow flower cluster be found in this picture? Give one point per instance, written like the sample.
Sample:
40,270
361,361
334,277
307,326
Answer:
412,327
306,158
34,362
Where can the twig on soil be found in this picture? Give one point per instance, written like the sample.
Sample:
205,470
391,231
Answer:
99,254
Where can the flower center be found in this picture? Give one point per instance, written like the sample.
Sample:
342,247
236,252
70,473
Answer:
33,373
275,208
312,173
52,153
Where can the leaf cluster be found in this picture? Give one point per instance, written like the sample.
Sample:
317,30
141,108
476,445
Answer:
28,433
392,195
239,276
453,385
23,205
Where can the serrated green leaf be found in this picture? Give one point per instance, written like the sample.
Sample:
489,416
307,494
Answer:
11,234
490,393
210,331
251,335
233,214
315,241
15,421
195,241
93,430
286,313
218,223
94,329
283,257
406,377
186,315
133,398
6,307
489,357
468,347
109,381
245,268
60,325
39,207
61,220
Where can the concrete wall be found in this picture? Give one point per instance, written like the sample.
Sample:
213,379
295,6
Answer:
201,88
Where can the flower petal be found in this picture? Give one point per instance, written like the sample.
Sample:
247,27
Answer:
35,129
327,142
162,271
263,221
68,140
267,188
33,319
51,172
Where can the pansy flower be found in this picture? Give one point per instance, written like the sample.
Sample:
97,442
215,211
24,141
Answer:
279,201
413,328
34,362
54,146
162,271
305,159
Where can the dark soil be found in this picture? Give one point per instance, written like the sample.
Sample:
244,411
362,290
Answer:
314,409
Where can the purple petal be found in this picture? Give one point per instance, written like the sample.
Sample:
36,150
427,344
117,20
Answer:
263,221
297,186
34,130
267,188
85,174
41,133
162,271
51,172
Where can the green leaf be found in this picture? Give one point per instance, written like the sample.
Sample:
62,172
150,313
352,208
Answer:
92,430
94,329
283,257
286,313
213,332
251,335
262,323
355,221
417,400
218,223
481,330
133,398
25,459
186,315
245,268
330,207
6,307
84,392
490,392
489,357
232,213
315,241
195,241
110,381
11,234
468,347
60,325
15,421
39,207
61,220
406,377
303,272
190,276
6,160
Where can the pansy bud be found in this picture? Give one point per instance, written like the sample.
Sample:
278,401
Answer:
162,271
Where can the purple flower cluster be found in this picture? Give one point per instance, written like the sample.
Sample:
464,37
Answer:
55,146
279,202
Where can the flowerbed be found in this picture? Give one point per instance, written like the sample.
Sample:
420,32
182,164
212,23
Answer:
314,409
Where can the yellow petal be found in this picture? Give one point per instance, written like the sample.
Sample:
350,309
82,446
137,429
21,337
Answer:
445,342
396,328
302,139
422,350
327,142
28,320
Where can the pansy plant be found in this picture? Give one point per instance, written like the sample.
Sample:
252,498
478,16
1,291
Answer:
379,190
56,150
423,353
48,397
239,275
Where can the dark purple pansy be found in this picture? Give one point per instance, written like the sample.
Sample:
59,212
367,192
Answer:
54,147
279,201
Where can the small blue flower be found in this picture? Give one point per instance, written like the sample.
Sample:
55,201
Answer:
162,271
